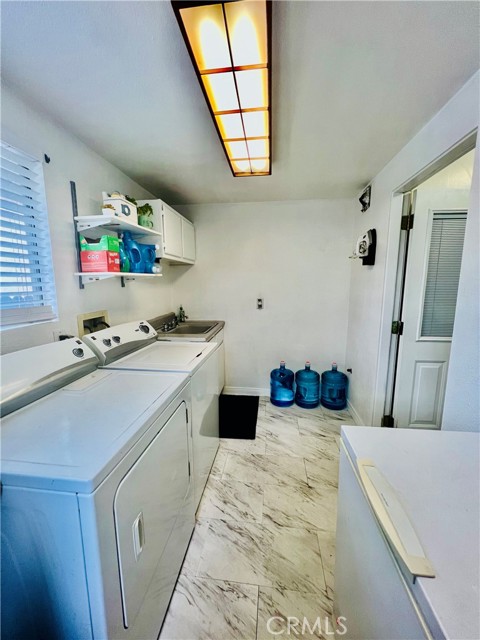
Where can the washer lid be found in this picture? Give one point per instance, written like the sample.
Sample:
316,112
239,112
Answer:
167,356
71,439
30,374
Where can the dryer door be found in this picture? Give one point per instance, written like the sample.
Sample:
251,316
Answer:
153,519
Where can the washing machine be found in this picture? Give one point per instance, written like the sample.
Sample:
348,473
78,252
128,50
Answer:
134,346
97,495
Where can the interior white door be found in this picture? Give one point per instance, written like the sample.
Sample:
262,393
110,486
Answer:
431,284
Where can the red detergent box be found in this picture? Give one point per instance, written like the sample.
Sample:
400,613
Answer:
100,261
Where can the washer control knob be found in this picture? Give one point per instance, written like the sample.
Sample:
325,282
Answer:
144,328
78,352
107,342
116,339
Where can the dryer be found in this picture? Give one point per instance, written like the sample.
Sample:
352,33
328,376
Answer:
97,495
134,346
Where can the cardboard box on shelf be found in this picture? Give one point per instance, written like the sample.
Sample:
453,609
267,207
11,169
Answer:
105,243
99,261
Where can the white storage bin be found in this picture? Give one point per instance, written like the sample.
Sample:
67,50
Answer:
121,208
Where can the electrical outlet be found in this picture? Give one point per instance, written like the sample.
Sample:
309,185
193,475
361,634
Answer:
58,333
259,303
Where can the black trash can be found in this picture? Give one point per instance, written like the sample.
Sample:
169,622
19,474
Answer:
238,416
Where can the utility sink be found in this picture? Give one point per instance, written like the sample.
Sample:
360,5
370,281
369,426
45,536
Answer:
192,328
196,330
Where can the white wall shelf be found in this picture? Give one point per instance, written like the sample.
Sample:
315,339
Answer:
117,225
113,223
103,275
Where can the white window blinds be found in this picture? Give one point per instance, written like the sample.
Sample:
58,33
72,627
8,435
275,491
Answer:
443,274
27,285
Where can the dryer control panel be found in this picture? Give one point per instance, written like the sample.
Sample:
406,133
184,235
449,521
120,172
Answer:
115,342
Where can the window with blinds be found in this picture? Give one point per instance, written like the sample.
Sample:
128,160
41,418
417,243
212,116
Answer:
27,285
443,274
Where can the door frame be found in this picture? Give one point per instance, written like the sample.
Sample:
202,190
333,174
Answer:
394,266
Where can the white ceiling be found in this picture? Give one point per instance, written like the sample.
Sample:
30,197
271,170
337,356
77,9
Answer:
352,82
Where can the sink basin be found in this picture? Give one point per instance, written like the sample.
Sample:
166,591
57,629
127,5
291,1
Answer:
194,329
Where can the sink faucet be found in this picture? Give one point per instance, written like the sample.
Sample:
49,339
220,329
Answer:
181,315
170,324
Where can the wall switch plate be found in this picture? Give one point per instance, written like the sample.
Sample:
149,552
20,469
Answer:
259,303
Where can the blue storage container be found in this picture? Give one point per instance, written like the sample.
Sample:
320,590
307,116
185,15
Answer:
137,263
307,394
124,259
334,388
148,252
281,386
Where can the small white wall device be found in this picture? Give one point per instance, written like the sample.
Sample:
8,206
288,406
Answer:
366,247
365,198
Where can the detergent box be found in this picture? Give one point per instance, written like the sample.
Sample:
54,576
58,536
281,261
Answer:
100,261
106,243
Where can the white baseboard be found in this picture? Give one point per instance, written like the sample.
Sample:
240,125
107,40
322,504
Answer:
355,415
245,391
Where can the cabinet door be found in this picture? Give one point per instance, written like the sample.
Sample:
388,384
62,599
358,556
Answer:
149,509
188,240
205,424
172,233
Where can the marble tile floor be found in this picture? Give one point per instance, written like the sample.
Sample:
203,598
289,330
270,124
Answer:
263,548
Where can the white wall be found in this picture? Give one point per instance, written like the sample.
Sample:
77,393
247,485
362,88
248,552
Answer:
292,254
372,288
461,410
36,134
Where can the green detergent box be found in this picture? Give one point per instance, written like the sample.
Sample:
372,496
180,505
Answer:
106,243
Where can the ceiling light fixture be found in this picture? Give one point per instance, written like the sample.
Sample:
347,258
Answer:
230,47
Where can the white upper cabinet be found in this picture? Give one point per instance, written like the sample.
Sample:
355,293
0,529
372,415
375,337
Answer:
188,240
172,233
178,242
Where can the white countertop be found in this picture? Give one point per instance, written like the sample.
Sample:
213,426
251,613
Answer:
436,475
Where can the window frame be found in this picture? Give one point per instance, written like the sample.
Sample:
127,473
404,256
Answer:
46,309
440,213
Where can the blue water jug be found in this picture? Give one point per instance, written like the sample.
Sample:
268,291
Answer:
148,255
281,386
134,254
307,394
124,259
334,388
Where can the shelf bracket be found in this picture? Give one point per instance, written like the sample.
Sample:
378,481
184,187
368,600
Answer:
81,226
73,193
